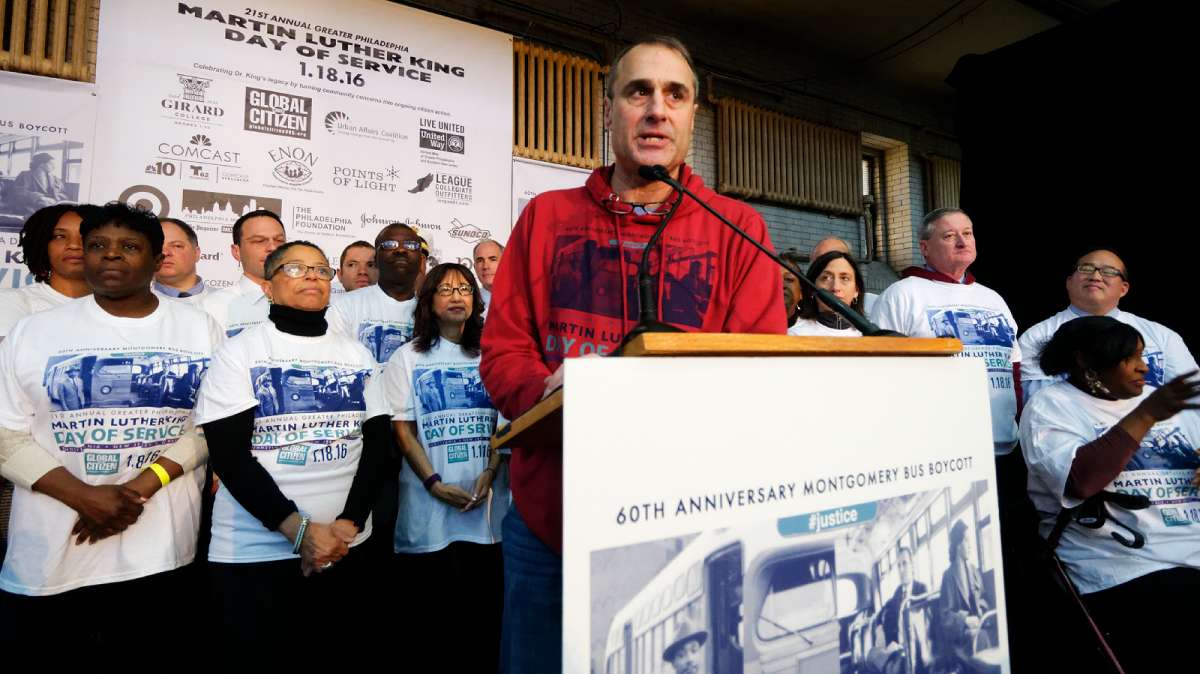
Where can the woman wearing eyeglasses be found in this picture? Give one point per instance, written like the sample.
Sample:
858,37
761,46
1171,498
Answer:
1103,429
838,273
297,429
451,502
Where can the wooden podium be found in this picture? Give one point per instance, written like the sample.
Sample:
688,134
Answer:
542,424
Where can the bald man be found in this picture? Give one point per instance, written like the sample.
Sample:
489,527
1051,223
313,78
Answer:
830,244
1095,286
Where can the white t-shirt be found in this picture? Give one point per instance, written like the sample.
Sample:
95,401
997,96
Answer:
373,318
811,327
1165,353
972,313
310,397
17,303
442,391
105,396
1061,419
237,307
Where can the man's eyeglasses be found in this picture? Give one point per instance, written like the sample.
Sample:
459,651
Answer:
614,205
297,270
392,244
1087,269
445,290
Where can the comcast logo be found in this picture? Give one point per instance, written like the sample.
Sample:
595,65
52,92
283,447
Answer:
201,140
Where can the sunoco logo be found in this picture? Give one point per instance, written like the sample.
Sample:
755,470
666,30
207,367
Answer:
199,147
278,113
468,233
293,165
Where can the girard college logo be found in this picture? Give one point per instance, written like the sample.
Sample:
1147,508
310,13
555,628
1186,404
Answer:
190,105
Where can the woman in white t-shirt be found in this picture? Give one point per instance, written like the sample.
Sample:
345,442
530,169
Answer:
838,273
53,251
104,455
298,432
1103,431
451,502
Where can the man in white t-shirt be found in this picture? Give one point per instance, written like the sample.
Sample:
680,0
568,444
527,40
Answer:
486,256
181,251
832,243
381,316
1096,285
943,300
100,450
356,268
255,235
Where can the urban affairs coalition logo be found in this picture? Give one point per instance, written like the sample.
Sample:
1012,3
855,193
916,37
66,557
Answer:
278,113
189,106
468,233
338,123
293,165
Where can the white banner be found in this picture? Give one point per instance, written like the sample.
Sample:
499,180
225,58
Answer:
342,117
530,178
47,129
761,508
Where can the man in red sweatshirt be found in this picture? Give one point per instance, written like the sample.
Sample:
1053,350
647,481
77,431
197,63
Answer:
568,285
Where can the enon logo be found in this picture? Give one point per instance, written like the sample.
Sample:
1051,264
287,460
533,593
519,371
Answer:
293,165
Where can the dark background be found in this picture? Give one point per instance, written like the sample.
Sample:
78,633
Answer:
1079,138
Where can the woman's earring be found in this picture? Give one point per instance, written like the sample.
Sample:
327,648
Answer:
1094,385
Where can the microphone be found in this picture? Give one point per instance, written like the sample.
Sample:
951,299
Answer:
860,322
647,295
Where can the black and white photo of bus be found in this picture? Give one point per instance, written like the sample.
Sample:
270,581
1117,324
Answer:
294,390
135,379
863,589
382,339
450,388
972,326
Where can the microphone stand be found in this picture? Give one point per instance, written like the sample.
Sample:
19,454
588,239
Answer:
647,295
860,322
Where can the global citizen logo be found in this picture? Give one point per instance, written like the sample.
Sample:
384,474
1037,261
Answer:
443,136
199,147
468,233
339,123
293,165
278,113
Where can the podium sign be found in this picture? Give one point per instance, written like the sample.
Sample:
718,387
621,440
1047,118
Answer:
771,514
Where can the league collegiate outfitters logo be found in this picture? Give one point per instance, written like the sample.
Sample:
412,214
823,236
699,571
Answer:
278,113
469,233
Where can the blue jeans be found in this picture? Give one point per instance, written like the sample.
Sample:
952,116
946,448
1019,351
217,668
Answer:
531,636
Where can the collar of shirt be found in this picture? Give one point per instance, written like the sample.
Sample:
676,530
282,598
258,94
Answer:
1080,312
175,292
250,288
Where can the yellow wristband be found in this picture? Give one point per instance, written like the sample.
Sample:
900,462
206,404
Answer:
161,472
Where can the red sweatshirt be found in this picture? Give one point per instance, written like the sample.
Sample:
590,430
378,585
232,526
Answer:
567,287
